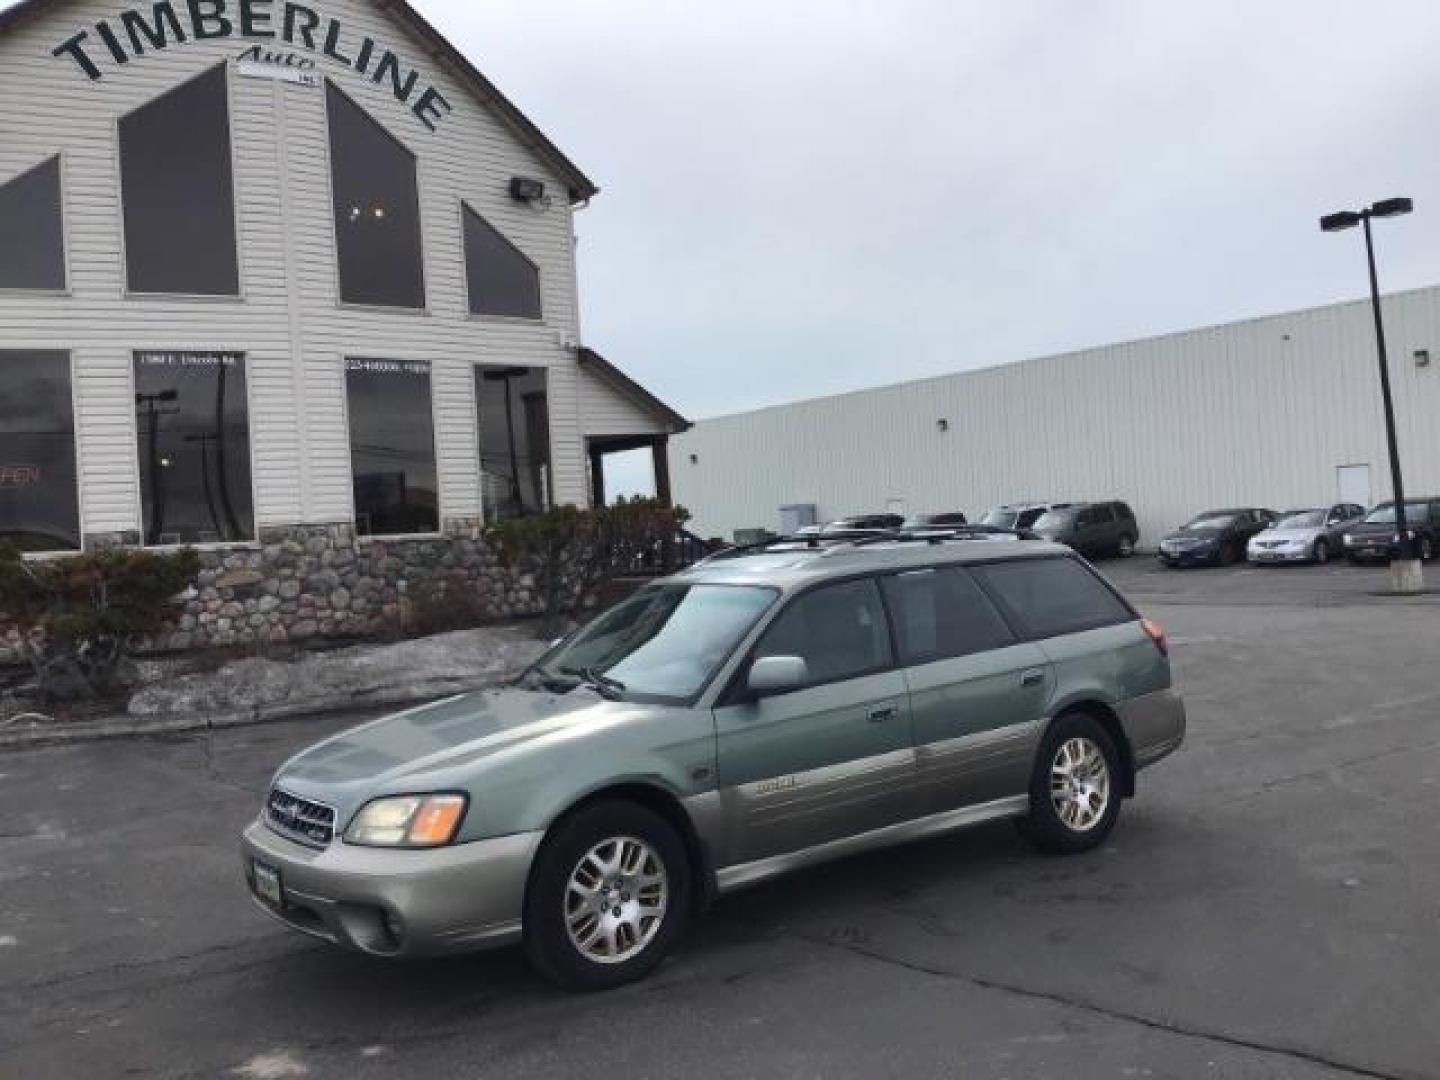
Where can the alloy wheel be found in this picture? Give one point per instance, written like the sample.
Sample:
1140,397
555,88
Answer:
615,900
1079,784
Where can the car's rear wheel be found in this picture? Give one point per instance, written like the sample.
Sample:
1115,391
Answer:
1322,551
1075,788
609,896
1126,547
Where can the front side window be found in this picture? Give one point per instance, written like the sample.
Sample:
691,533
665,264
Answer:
1046,597
392,447
502,280
377,209
193,430
39,510
662,644
32,233
838,630
942,613
179,201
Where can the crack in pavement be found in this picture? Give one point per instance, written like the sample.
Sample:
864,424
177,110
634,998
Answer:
1295,1053
1325,770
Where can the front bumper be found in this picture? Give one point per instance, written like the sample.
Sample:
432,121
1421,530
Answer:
390,902
1279,555
1154,724
1189,557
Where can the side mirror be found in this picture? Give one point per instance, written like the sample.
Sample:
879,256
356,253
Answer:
777,675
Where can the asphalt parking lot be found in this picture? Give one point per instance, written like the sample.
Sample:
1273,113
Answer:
1267,907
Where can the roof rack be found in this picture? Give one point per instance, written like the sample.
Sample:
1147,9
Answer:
838,542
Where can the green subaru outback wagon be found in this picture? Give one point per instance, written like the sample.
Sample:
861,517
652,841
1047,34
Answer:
760,712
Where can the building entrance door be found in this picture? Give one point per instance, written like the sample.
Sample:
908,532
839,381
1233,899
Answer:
1353,484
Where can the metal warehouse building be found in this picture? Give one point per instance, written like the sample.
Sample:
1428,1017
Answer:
293,282
1279,411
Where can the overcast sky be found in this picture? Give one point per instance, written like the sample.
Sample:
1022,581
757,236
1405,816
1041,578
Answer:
806,196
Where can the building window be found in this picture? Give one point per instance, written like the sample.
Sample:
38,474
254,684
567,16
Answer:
502,280
192,423
32,235
513,419
377,209
392,447
179,198
39,509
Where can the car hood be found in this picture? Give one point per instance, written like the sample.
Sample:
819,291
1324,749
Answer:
434,747
1194,534
1375,528
1308,532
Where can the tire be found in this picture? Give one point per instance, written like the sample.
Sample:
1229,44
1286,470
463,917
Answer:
1322,551
1126,547
1049,824
639,843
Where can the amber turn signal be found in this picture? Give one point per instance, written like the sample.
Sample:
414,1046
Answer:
1156,633
436,820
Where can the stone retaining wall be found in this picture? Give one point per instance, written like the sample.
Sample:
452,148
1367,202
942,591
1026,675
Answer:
302,582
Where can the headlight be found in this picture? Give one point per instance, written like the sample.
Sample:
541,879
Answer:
416,821
1350,540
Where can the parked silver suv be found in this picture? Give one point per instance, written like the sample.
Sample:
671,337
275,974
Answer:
752,715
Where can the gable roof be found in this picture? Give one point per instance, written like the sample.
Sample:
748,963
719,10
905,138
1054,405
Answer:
618,380
579,186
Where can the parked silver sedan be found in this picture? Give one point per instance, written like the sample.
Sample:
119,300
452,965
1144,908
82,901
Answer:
1312,535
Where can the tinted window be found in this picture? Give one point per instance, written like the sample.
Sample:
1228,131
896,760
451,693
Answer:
178,195
1027,518
32,236
38,506
392,447
377,209
502,280
194,442
1122,510
940,613
513,417
839,629
1046,597
1057,519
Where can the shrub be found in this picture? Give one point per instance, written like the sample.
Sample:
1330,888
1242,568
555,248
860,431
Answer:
571,554
81,616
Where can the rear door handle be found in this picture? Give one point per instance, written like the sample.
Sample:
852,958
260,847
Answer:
878,714
1033,677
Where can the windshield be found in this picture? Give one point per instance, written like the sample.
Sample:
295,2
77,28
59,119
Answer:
662,644
1301,519
1054,519
1211,522
1004,519
1385,515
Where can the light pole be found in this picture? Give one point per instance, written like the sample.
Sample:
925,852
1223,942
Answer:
1405,572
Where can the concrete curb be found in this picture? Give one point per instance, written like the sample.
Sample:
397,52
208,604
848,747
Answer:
22,737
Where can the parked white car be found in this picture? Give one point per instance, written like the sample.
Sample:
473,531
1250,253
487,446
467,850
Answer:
1312,535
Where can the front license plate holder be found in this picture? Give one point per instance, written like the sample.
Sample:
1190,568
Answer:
267,884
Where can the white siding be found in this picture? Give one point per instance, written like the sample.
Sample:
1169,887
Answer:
607,411
288,322
1254,413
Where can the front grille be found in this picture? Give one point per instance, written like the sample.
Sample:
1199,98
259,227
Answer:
300,819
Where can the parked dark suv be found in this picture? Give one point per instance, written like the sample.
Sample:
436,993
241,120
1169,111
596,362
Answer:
1374,538
1214,538
1095,529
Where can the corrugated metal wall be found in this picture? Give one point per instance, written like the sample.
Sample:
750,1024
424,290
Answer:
288,322
1258,413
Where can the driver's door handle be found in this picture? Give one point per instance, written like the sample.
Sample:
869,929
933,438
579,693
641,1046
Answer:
878,714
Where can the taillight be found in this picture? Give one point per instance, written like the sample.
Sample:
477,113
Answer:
1156,633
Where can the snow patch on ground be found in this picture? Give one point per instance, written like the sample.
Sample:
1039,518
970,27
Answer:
273,1065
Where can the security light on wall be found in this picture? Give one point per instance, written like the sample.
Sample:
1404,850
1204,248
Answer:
942,425
527,189
1422,357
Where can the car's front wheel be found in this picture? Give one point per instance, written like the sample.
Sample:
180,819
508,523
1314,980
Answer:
609,896
1322,551
1075,789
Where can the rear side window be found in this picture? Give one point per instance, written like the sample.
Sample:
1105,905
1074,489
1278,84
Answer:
839,630
940,614
1047,597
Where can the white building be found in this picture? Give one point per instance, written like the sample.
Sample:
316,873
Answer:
1280,411
279,272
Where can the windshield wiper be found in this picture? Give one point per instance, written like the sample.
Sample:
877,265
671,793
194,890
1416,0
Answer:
598,681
